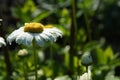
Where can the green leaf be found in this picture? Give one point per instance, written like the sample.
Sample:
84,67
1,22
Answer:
91,45
100,56
42,15
82,37
75,59
90,6
109,53
66,58
29,6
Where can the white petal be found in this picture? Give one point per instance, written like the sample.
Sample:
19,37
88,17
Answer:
51,37
55,33
14,34
44,36
84,77
87,75
39,40
56,30
24,38
2,42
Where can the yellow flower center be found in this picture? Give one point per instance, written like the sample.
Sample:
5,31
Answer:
48,26
33,27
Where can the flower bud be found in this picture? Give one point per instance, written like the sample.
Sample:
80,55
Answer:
22,53
86,59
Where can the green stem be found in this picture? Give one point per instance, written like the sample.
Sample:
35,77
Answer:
87,22
51,53
25,76
74,15
73,32
51,59
35,60
86,68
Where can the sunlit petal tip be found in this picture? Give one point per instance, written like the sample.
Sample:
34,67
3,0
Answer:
9,40
2,42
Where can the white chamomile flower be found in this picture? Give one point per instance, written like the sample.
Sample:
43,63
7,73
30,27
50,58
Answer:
2,42
36,31
86,75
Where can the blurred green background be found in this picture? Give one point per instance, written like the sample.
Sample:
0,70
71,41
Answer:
87,25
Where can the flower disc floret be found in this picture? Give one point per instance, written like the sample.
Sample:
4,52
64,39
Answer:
48,26
33,27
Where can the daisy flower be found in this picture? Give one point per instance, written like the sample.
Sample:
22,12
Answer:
2,42
86,75
34,31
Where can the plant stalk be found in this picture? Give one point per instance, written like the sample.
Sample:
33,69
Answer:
35,59
87,23
24,70
73,32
